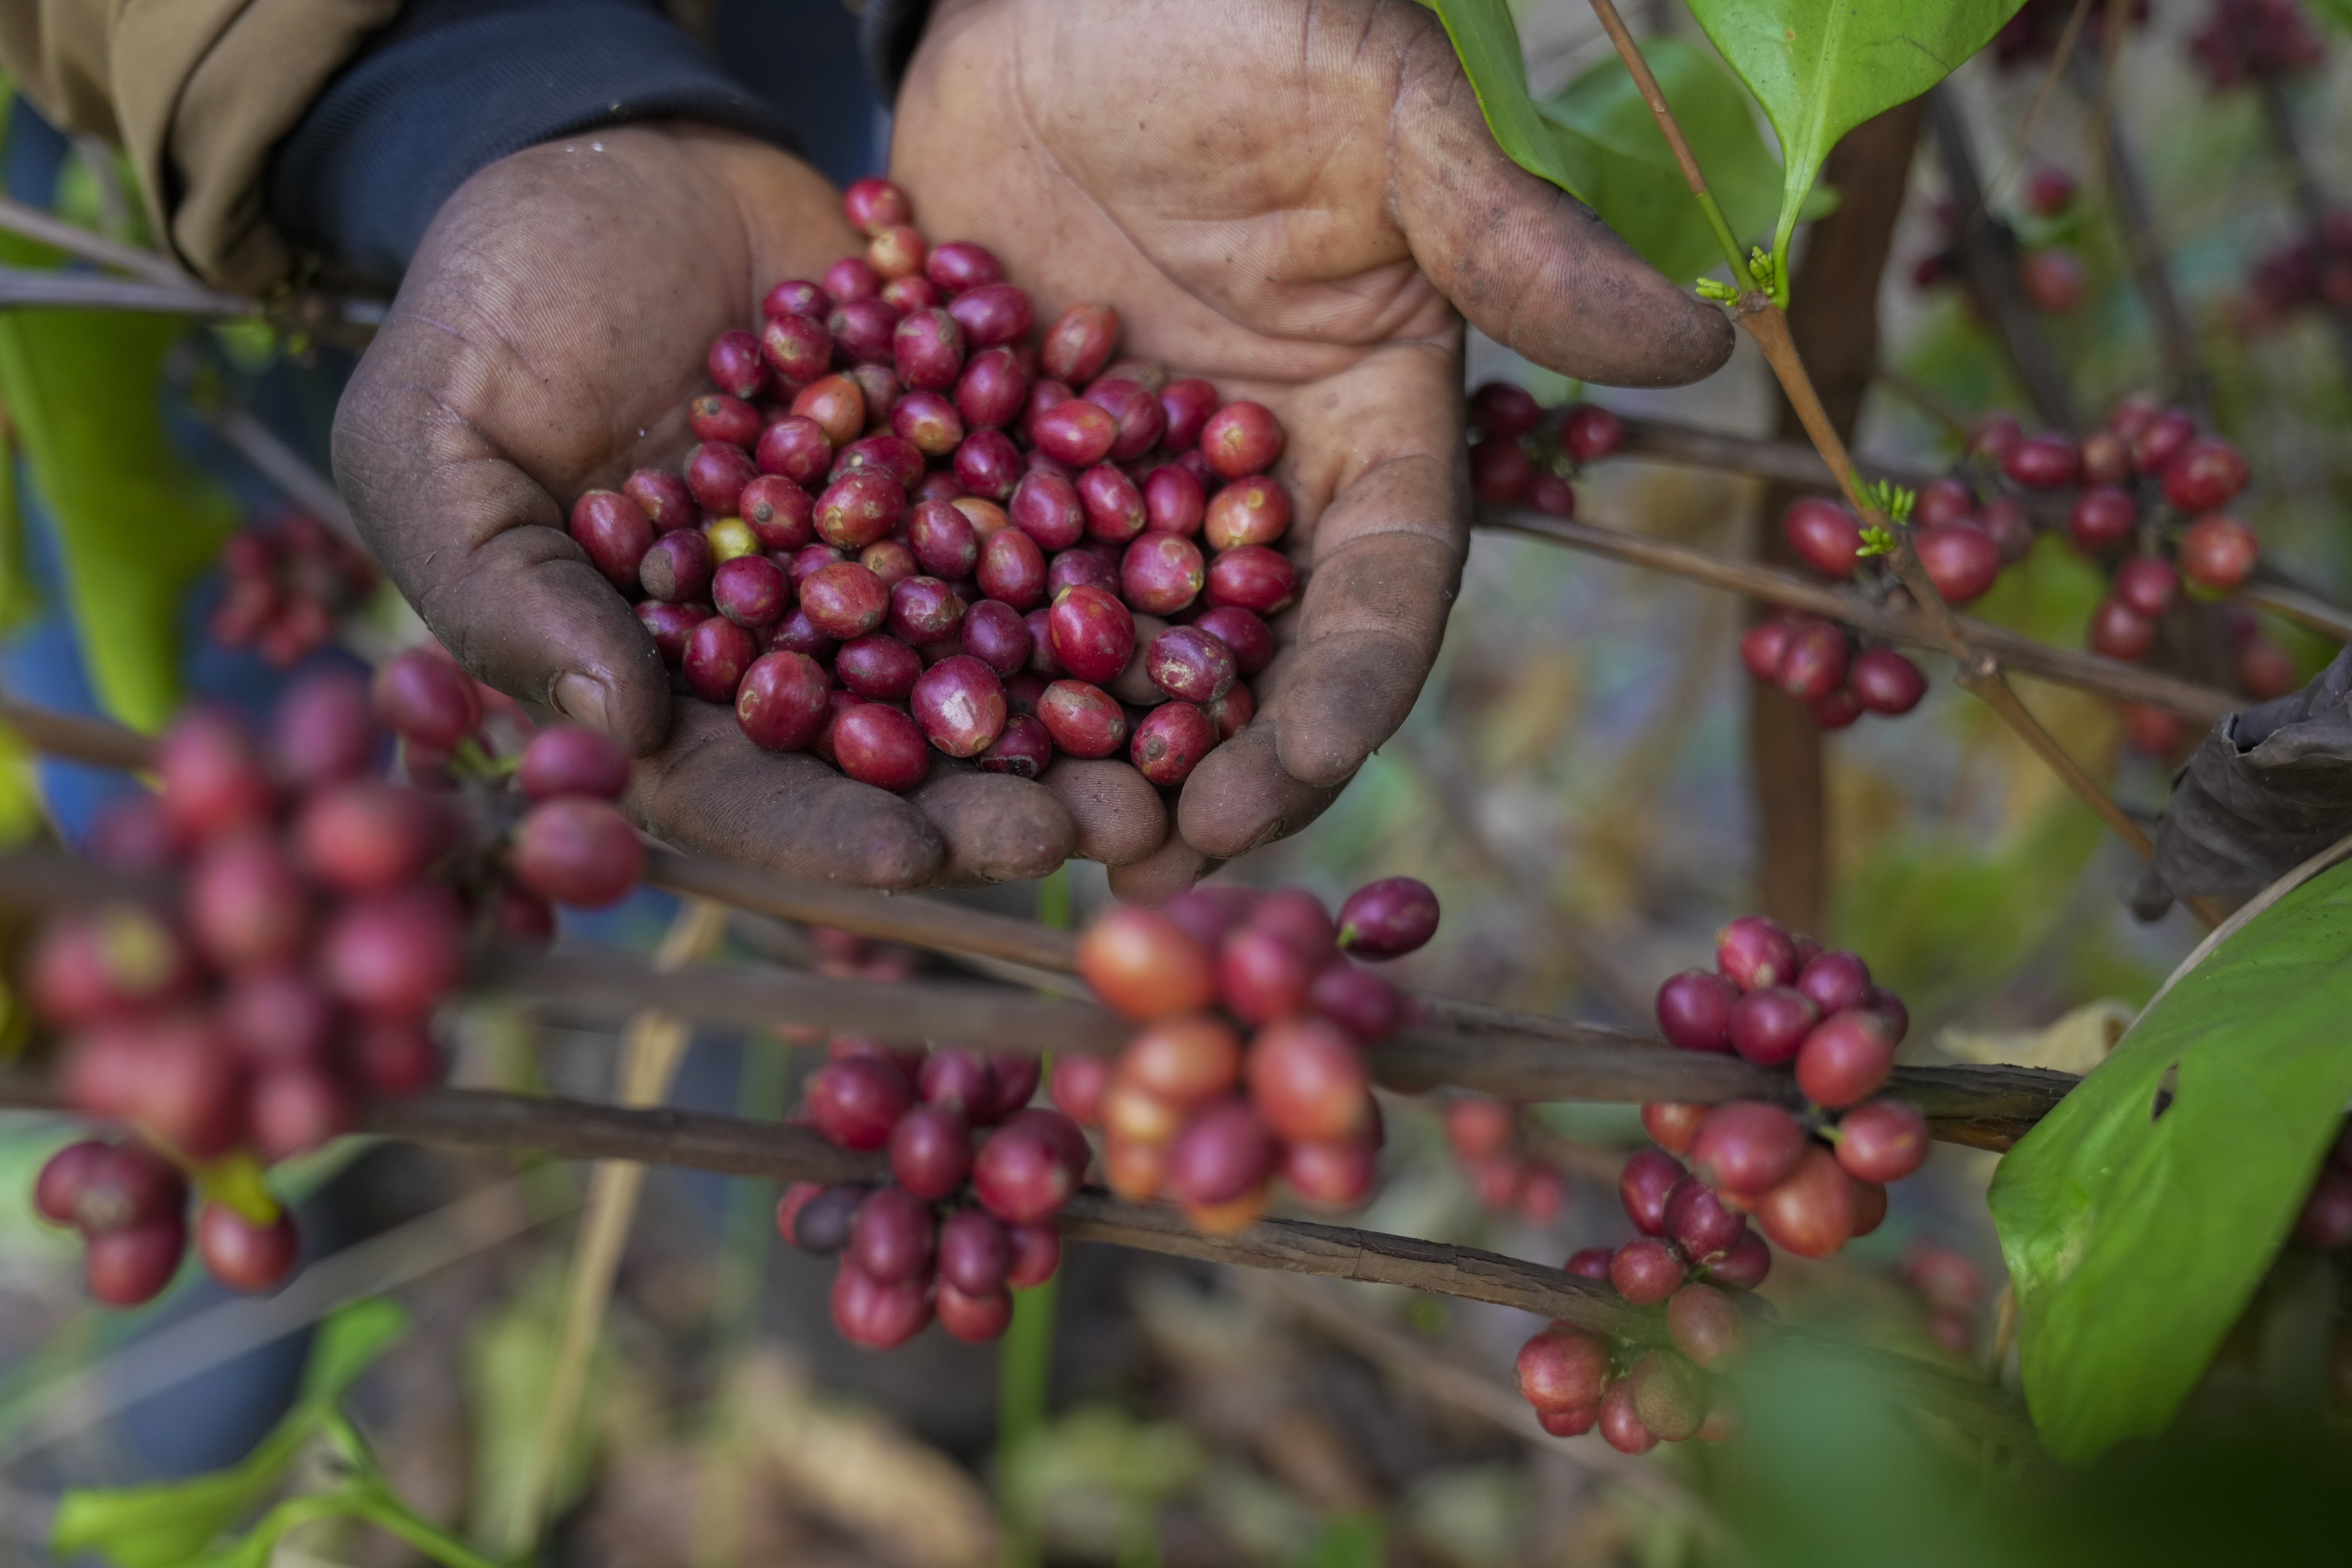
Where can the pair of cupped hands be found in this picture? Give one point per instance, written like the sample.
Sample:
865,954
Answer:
1299,201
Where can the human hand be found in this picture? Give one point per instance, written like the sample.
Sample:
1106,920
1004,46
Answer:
1300,202
547,341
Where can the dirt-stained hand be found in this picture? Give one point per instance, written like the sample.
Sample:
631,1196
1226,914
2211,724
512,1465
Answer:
546,341
1301,202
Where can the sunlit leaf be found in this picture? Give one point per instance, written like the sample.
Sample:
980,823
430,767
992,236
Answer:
173,1522
1638,188
136,522
1489,43
1820,68
2136,1238
349,1344
169,1522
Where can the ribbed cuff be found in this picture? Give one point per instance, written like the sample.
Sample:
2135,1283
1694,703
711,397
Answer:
455,85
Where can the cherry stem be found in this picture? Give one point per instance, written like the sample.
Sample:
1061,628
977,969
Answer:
1630,53
1894,622
1796,463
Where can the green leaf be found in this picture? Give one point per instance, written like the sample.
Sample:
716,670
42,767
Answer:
1349,1541
1820,68
253,1548
171,1522
166,1523
2135,1240
2338,14
1634,183
18,597
1489,43
347,1344
136,522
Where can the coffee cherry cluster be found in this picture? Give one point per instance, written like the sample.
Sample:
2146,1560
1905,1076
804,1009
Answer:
2245,40
1640,1396
1251,1062
316,916
978,1176
2313,271
1521,456
1812,1181
905,528
289,580
2148,491
1483,1135
555,835
1837,674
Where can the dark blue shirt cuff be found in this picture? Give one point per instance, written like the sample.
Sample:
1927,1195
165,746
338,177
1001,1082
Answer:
454,85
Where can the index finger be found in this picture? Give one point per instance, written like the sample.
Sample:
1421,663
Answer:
1377,447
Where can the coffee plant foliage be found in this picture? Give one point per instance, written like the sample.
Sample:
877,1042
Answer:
1819,69
2139,1218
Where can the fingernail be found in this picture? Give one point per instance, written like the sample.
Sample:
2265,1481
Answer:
1272,831
582,699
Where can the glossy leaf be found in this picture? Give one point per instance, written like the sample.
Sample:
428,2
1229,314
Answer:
1820,68
169,1522
1488,44
255,1548
1632,179
349,1343
137,523
172,1523
2134,1239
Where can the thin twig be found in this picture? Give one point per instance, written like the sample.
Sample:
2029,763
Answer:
22,286
2176,337
1587,951
579,1130
1980,672
2311,202
921,922
18,217
1793,463
1921,398
576,1129
74,737
1982,1106
1896,622
1988,259
2273,590
2023,141
287,468
1647,84
38,288
651,1046
195,1345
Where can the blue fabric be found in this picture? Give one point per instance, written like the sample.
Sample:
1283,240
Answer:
454,85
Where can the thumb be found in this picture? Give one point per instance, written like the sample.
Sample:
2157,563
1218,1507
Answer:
1528,264
483,552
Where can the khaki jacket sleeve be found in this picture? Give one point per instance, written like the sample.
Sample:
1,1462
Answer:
197,92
